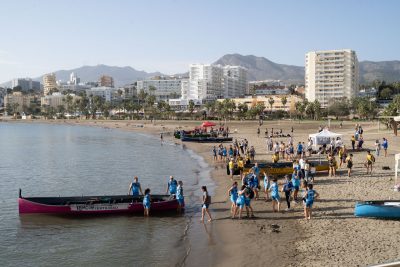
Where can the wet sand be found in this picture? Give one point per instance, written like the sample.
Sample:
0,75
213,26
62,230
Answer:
334,237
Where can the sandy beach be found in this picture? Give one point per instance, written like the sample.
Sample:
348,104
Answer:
334,237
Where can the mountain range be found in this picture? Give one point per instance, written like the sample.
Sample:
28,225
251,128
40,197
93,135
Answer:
259,68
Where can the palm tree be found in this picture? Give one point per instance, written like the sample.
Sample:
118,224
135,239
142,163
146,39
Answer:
191,107
271,102
284,101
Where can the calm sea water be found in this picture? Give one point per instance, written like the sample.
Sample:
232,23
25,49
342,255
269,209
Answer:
53,160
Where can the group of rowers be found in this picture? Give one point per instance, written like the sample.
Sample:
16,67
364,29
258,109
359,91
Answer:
174,188
241,198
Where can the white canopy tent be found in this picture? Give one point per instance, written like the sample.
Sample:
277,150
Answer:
323,138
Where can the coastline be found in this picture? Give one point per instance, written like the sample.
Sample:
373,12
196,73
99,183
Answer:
333,237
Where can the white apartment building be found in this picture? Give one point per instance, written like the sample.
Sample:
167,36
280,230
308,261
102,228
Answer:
103,91
166,88
205,82
234,81
331,74
49,83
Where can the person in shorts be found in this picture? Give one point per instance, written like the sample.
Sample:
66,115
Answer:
206,201
276,200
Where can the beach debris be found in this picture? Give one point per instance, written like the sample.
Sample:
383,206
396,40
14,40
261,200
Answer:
385,168
275,228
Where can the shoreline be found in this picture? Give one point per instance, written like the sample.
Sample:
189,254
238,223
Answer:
333,237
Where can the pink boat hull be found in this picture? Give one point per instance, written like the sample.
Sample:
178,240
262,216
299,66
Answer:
26,206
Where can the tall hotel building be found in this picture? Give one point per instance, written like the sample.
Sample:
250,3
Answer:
330,75
49,83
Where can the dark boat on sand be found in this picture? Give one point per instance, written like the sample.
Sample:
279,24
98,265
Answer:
95,204
210,139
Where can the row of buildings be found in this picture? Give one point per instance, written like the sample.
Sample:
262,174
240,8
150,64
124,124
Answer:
329,75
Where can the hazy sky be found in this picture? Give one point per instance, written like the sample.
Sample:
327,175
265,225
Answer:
39,36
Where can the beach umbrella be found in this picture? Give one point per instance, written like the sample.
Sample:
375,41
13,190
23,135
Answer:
208,124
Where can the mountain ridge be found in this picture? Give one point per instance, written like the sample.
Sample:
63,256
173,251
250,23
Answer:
259,68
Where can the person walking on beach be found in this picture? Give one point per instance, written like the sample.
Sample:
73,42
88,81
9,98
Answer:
296,185
353,142
172,186
266,186
332,165
258,132
146,202
349,164
377,147
179,196
135,187
369,162
231,166
309,201
276,200
287,189
248,196
161,137
233,195
240,164
206,201
385,145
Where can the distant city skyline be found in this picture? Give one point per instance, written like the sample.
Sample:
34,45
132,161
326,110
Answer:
167,36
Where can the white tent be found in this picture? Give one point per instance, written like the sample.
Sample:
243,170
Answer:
323,137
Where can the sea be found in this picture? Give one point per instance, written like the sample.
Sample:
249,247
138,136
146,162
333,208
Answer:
70,160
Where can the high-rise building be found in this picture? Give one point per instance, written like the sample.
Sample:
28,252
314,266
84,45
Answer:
26,84
234,81
205,82
106,81
331,75
165,88
49,83
73,79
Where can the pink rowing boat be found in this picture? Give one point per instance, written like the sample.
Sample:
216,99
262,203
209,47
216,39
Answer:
95,204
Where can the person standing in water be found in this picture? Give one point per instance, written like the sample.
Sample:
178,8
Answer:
233,195
179,196
172,186
161,137
206,201
135,187
146,202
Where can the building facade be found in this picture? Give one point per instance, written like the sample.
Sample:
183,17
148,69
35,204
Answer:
252,101
26,84
330,75
234,81
106,81
18,102
165,88
49,83
107,93
57,99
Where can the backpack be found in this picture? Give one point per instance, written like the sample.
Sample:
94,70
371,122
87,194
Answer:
250,192
372,158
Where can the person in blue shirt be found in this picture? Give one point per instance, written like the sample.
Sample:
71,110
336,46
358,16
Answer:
296,185
224,153
179,196
172,185
287,189
254,184
240,202
135,187
256,169
266,186
276,200
309,198
233,195
299,149
215,154
385,145
146,202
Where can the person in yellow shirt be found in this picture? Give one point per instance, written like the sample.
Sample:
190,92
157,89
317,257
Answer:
370,161
275,157
240,167
353,142
231,168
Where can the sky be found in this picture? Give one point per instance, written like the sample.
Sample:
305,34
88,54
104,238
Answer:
41,36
